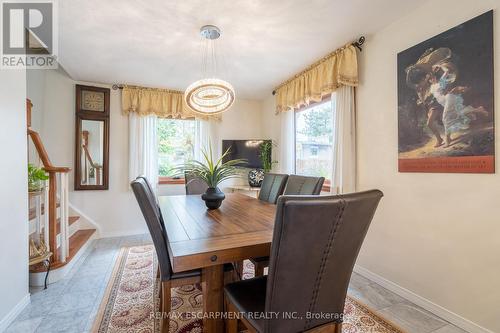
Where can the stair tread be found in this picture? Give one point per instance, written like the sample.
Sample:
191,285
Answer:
79,239
71,220
32,213
76,242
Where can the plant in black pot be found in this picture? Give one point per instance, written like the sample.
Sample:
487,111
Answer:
213,173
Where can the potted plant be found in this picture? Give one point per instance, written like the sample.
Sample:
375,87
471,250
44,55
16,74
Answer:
213,173
36,176
256,176
265,155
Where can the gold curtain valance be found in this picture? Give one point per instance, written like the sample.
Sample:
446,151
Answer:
320,79
163,103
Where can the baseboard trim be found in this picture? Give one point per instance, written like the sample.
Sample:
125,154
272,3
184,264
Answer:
428,305
123,233
9,318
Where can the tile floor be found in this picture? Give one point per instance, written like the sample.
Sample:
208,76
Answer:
71,304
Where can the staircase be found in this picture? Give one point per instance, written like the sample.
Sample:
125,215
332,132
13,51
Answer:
66,233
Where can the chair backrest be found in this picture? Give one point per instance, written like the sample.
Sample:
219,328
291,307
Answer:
194,185
302,185
152,196
315,244
149,210
272,187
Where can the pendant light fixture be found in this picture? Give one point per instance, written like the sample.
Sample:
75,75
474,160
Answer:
210,95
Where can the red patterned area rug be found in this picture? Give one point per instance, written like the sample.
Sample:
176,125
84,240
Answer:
131,298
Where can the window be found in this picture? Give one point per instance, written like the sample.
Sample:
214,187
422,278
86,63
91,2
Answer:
175,146
314,141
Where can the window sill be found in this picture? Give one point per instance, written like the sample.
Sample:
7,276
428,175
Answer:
171,181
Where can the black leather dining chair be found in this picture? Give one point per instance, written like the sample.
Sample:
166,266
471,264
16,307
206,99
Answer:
272,187
315,244
303,185
151,194
295,185
150,209
194,185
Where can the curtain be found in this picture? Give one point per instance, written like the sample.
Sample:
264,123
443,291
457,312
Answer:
143,148
344,143
164,103
287,143
338,69
205,136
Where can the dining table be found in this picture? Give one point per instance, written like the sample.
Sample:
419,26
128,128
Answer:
199,238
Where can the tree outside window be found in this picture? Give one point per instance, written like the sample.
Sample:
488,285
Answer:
175,144
314,140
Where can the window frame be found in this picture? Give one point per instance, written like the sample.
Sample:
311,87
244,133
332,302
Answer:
327,185
163,180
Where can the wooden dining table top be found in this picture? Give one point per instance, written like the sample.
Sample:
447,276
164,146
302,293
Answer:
197,237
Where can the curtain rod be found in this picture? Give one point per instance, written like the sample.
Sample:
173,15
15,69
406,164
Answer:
120,86
357,43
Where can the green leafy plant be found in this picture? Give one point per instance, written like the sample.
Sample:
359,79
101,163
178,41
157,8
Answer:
35,178
265,155
213,172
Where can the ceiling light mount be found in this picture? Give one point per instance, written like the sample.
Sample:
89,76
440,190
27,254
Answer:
210,31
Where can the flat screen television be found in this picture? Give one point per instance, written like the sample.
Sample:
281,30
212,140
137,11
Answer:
247,149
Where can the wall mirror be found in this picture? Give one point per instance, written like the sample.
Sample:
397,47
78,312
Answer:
92,138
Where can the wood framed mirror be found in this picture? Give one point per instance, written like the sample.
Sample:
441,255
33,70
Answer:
92,138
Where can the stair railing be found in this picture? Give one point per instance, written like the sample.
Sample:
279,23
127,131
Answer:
88,160
46,224
54,172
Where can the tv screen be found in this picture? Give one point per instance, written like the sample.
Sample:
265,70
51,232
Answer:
247,149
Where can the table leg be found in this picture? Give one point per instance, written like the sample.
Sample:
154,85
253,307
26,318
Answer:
213,298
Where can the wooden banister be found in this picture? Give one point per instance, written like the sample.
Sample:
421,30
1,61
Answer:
52,170
29,105
57,169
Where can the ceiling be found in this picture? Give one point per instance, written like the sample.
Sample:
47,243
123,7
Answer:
156,43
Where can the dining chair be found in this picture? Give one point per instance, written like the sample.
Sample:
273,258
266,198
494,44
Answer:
272,187
150,210
303,185
194,185
151,194
315,244
295,185
151,214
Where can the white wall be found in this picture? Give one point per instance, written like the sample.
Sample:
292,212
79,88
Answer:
242,121
13,196
437,235
271,126
35,78
115,210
